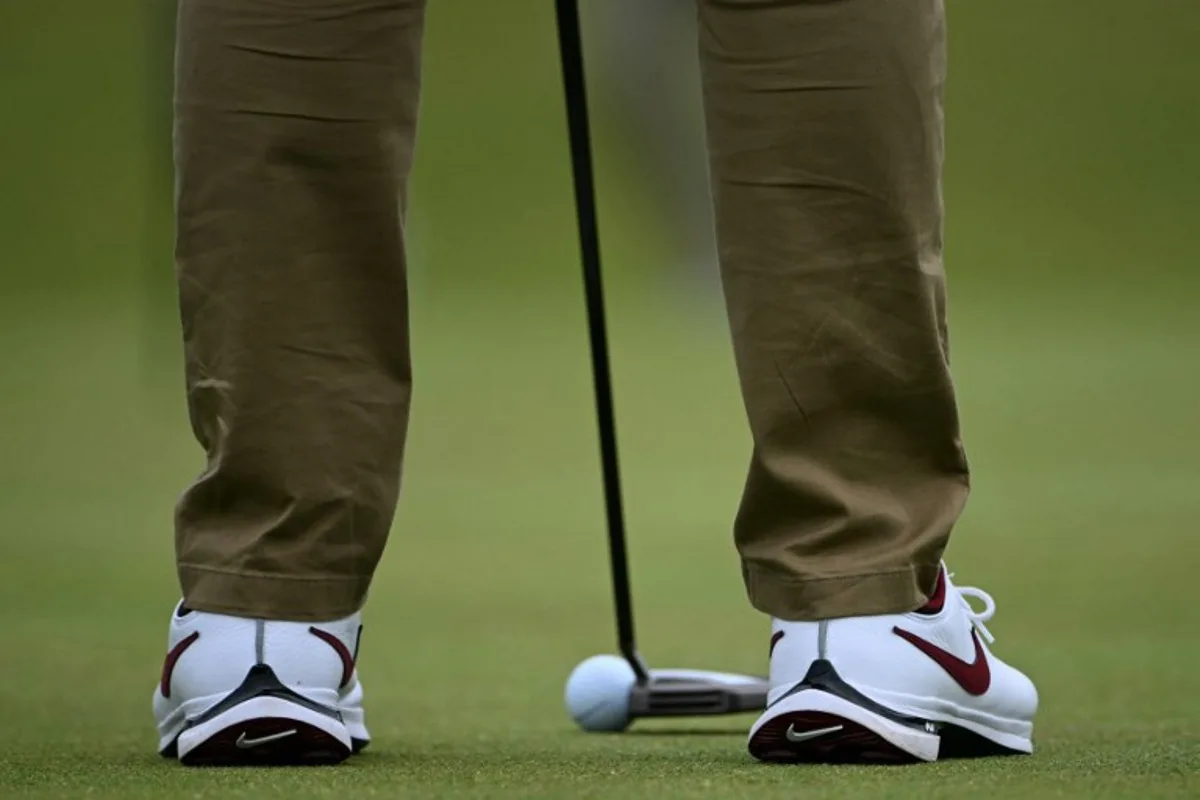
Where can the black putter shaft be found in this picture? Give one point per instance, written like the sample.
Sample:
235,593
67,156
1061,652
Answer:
571,53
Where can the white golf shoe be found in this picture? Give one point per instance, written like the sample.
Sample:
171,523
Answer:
243,691
894,688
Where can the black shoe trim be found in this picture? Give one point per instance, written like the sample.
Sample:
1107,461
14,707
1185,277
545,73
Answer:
823,677
962,743
261,681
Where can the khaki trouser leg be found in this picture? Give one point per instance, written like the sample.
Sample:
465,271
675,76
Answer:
295,124
825,130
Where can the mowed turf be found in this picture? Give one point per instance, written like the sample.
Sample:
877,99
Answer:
1071,233
495,583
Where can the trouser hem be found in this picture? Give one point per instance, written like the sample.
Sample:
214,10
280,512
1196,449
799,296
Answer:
297,598
866,594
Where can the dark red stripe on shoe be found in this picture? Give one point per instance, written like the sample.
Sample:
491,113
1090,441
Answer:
342,651
172,659
973,676
775,637
937,600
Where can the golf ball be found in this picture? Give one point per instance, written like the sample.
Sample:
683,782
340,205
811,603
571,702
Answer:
598,693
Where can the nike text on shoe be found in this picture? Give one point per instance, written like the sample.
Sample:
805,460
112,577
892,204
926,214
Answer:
238,691
895,688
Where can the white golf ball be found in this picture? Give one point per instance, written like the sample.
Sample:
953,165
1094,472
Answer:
598,693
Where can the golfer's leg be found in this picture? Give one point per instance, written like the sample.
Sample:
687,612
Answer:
294,135
825,128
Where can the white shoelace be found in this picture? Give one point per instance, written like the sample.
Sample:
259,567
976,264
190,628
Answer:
978,618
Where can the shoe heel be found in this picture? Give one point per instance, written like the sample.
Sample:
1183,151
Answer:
264,722
816,727
265,731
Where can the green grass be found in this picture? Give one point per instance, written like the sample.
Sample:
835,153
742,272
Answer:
1072,192
495,584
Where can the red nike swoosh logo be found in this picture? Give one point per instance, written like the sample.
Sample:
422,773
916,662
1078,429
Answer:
974,677
339,648
172,659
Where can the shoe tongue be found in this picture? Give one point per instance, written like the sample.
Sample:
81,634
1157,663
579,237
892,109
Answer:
937,599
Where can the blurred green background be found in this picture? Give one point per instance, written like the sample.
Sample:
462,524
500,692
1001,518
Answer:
1073,201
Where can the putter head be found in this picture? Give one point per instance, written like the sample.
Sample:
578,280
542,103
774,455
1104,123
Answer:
689,692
